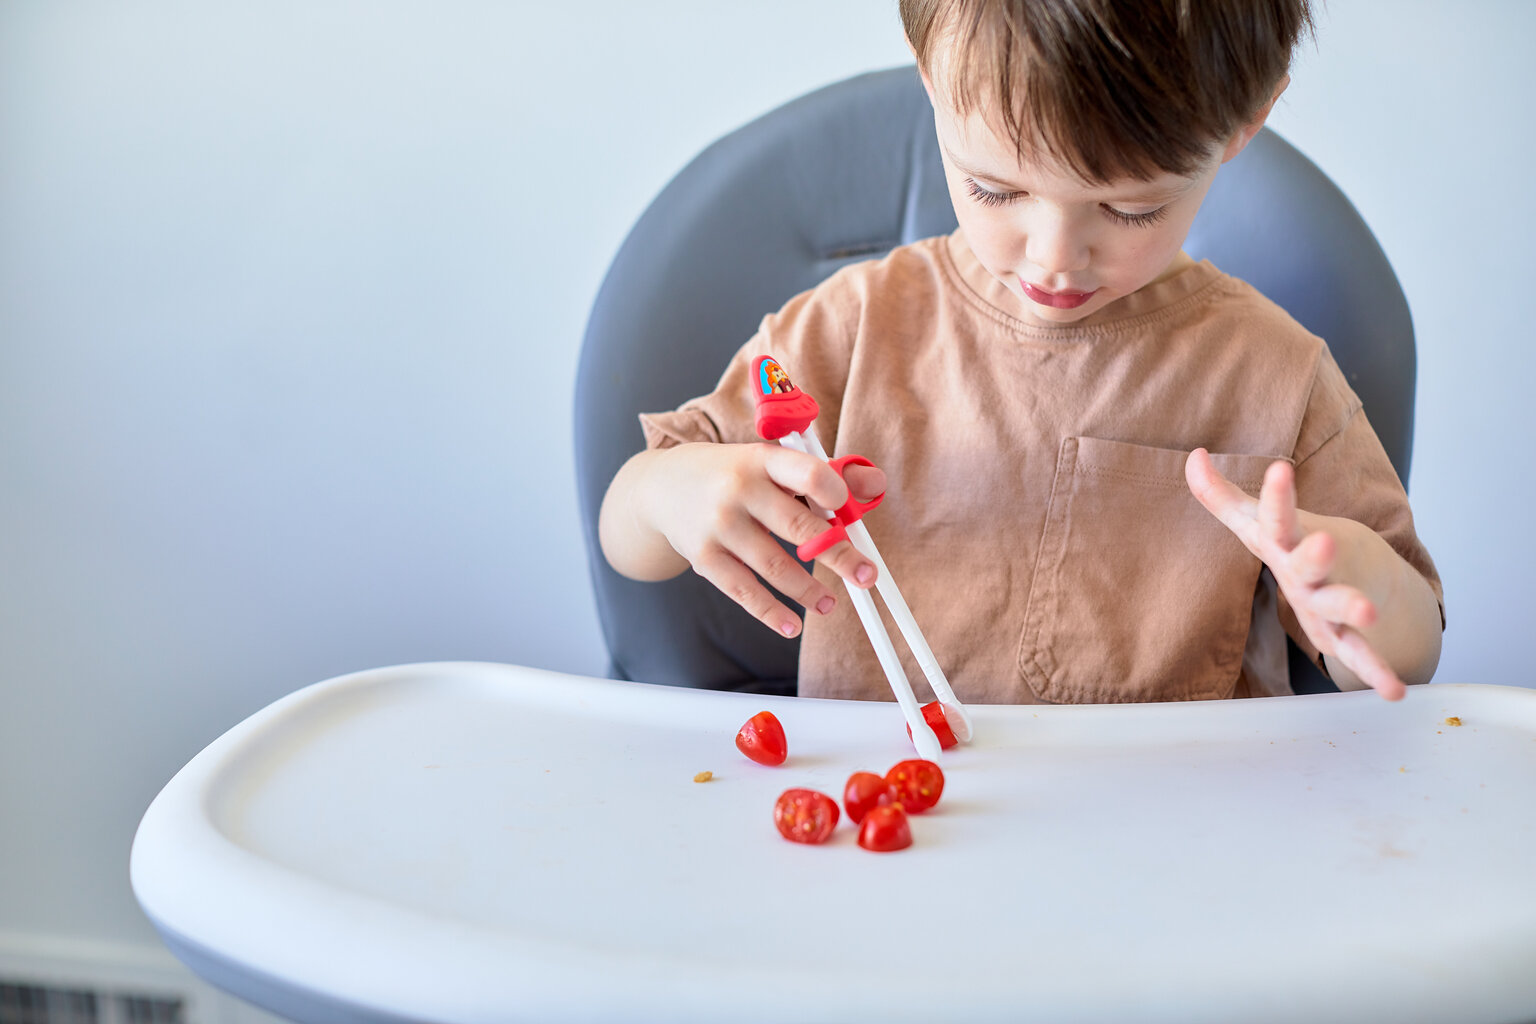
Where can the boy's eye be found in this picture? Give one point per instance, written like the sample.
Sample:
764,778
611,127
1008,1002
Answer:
986,197
1137,220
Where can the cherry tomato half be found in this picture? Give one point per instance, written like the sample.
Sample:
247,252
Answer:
885,829
762,739
918,784
805,816
865,791
933,714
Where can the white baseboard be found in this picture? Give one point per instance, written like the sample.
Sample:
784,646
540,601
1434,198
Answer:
114,969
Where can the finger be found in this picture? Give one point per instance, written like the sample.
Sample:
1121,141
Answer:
1361,658
1312,560
819,482
1222,498
850,564
864,481
799,473
733,579
1277,506
752,544
1341,605
782,515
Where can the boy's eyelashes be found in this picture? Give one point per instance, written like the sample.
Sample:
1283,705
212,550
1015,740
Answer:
987,197
1138,220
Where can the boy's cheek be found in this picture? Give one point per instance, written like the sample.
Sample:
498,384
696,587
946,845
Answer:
994,245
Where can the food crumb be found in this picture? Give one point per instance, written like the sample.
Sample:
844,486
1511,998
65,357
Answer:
703,776
1453,720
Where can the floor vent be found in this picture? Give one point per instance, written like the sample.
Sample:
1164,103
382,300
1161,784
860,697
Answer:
38,1004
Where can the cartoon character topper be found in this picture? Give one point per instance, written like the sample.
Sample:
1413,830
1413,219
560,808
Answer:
782,408
775,380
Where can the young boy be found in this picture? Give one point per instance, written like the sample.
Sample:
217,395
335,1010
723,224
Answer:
1042,391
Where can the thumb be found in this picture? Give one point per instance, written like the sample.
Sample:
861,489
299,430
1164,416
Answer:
864,482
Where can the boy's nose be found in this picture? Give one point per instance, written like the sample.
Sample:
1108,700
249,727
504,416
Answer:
1055,245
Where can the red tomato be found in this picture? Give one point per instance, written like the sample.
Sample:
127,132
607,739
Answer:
865,791
917,784
885,829
933,714
805,816
762,739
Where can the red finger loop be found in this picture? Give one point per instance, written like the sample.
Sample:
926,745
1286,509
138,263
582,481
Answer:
835,534
851,512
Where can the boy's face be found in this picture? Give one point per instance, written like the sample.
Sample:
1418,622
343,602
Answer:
1064,248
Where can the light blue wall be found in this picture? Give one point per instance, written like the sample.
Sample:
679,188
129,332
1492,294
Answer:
290,299
1423,110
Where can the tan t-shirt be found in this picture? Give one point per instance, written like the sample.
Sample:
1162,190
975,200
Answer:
1036,517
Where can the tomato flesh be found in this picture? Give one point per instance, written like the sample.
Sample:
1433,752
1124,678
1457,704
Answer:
933,714
918,784
805,816
885,829
864,792
762,739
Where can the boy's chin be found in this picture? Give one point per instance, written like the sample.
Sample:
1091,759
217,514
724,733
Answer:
1062,316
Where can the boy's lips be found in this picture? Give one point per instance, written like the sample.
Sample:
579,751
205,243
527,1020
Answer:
1056,300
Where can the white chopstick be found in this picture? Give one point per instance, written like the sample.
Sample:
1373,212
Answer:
858,534
923,736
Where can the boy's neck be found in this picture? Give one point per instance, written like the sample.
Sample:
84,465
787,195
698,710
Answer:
1182,262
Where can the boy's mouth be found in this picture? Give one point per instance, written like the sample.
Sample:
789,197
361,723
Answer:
1056,300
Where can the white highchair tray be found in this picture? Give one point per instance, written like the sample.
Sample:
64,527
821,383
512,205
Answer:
486,843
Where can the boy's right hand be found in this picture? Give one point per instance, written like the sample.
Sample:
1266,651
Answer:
717,507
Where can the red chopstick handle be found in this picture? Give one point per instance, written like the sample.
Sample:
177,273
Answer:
782,408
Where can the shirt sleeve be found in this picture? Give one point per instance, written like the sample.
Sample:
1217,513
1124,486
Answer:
1343,470
812,338
724,416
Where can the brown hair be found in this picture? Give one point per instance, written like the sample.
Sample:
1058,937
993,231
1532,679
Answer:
1109,88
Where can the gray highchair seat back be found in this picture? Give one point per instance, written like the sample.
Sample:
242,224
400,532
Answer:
846,173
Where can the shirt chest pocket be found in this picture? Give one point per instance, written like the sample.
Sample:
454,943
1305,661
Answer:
1139,593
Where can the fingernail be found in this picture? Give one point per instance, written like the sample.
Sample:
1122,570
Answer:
864,573
787,628
826,604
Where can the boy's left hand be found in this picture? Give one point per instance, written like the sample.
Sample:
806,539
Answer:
1319,563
